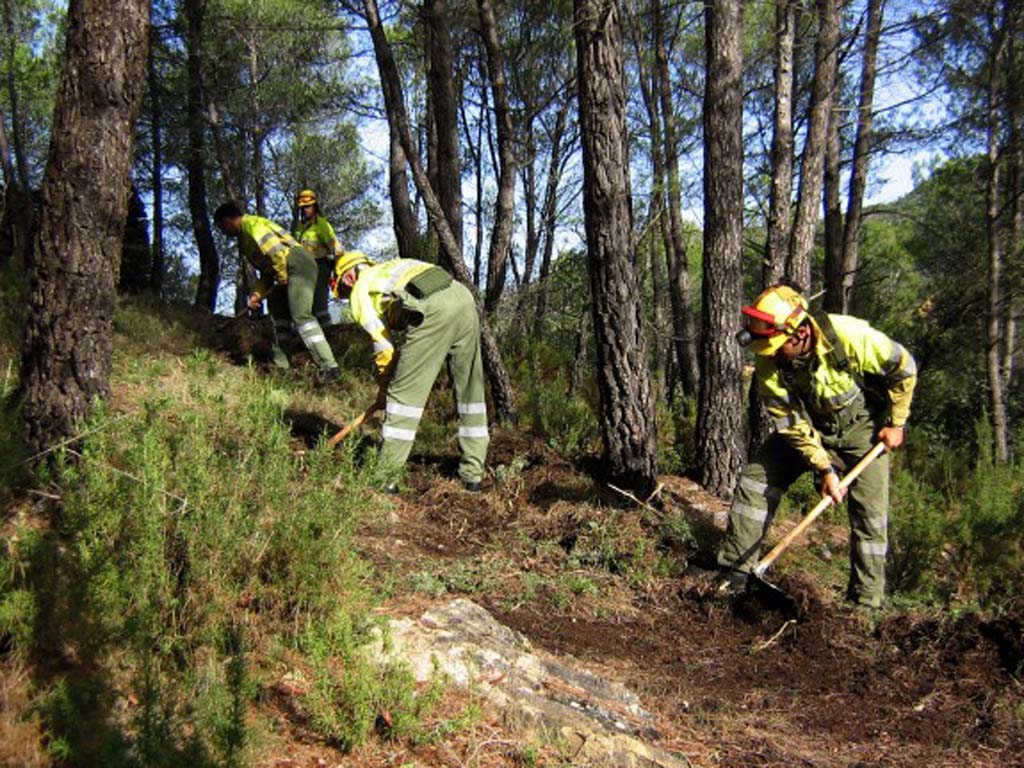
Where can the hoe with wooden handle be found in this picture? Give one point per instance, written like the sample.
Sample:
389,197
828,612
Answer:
766,562
344,432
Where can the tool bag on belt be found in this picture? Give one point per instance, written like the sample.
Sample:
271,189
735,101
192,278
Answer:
428,282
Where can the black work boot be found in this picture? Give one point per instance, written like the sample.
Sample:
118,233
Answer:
473,486
329,376
732,584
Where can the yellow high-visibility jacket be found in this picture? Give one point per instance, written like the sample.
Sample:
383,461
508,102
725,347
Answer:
829,389
372,301
265,245
317,237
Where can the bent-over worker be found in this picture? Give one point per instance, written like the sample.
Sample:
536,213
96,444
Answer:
291,271
811,375
442,326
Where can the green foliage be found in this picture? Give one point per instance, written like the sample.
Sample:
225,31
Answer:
957,526
352,695
184,535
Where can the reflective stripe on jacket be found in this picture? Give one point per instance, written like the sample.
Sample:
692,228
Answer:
317,237
266,245
372,297
830,389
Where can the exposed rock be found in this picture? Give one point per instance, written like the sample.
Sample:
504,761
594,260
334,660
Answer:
601,722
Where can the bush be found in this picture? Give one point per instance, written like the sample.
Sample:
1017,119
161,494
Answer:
184,536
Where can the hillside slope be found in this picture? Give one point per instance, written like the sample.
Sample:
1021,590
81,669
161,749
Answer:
256,573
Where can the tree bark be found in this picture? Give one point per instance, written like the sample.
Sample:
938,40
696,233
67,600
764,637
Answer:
809,202
556,162
66,353
861,151
624,385
209,263
502,393
404,220
680,284
156,275
833,209
1015,159
719,421
779,224
444,113
17,123
993,230
501,236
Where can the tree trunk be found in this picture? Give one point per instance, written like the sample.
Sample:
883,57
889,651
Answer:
19,206
406,231
501,236
556,163
993,230
529,168
657,238
17,123
779,225
501,385
861,150
1015,183
809,203
833,209
209,264
444,113
719,420
136,254
624,384
680,284
66,353
156,275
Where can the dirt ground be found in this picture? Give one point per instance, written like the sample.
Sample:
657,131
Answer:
587,573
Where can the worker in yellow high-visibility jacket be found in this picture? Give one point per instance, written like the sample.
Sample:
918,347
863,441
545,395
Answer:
291,271
442,326
813,376
316,235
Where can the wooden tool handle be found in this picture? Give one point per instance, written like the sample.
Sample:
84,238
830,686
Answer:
344,432
813,515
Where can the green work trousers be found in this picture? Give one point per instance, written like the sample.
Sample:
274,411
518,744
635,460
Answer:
444,327
294,309
322,291
847,435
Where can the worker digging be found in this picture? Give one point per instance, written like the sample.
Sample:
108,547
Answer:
287,280
441,325
814,376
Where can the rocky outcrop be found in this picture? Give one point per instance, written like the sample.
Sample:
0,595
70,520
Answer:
601,723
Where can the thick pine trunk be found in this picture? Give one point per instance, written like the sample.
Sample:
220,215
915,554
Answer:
719,419
501,385
504,213
66,354
811,169
624,383
209,264
861,151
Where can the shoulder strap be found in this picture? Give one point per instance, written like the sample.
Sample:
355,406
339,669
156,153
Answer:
838,353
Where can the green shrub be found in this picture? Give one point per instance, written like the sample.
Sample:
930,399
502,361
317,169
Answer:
185,535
